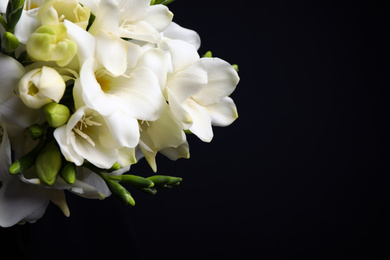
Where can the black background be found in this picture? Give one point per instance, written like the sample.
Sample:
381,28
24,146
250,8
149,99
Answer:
301,174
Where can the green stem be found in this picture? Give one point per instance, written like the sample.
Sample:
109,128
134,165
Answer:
3,22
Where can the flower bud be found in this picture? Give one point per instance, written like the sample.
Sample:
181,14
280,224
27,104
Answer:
35,131
133,180
48,163
9,42
69,173
120,191
51,43
39,87
56,114
165,181
70,10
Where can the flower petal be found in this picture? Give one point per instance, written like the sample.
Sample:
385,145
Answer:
157,61
222,81
5,153
85,41
21,202
10,73
182,54
159,17
223,113
201,125
176,32
124,129
187,82
111,52
132,10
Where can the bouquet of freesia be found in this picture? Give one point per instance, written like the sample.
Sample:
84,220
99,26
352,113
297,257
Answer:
88,88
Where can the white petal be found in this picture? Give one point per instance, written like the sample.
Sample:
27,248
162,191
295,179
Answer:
58,198
223,113
124,129
182,53
176,32
178,111
85,41
96,181
165,131
142,31
107,18
157,61
132,10
144,99
61,136
188,82
10,73
15,112
201,125
111,52
159,17
174,153
80,188
3,6
27,24
5,153
21,202
222,81
93,94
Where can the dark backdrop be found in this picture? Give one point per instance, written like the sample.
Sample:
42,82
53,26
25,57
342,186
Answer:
301,174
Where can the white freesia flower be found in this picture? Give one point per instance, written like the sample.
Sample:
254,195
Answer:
211,105
39,87
165,132
87,137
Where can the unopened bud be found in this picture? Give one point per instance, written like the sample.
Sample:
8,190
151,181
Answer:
35,131
48,163
133,180
56,114
69,173
120,191
165,181
9,42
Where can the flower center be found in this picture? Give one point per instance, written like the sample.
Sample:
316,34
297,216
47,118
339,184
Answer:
104,81
85,130
32,89
29,5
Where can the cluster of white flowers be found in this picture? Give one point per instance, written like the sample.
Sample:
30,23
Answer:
87,88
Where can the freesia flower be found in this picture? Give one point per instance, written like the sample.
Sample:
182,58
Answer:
86,136
39,87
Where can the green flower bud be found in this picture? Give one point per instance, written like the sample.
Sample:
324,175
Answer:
235,66
69,173
51,43
35,131
133,180
25,162
56,114
165,181
48,163
119,191
208,54
9,42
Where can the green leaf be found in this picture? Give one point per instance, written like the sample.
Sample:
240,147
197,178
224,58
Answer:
13,13
158,2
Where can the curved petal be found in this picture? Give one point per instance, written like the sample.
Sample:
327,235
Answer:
157,61
223,113
15,112
62,138
132,10
222,81
201,125
140,30
124,129
5,153
27,24
85,41
188,82
159,17
142,95
182,54
21,202
107,18
111,52
10,73
176,32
